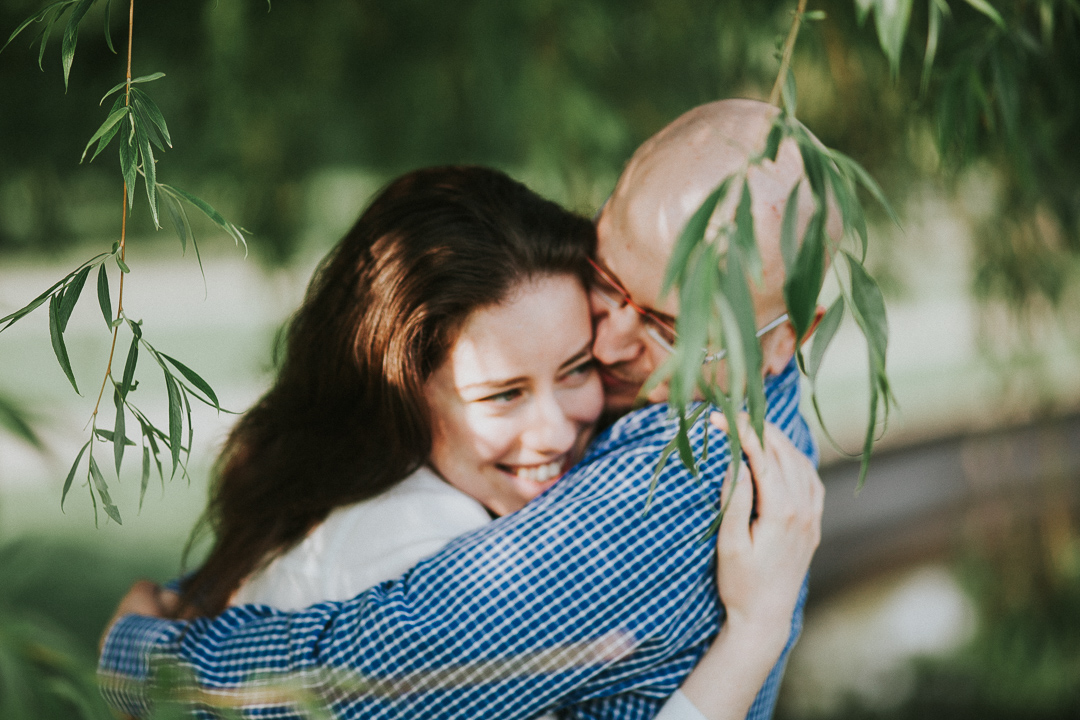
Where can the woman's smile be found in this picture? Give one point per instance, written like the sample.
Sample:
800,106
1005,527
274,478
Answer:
510,414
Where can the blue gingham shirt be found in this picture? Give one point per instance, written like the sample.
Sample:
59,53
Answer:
581,603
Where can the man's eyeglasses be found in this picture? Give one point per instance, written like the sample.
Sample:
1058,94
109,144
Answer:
614,294
660,330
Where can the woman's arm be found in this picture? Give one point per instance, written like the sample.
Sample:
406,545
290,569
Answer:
760,567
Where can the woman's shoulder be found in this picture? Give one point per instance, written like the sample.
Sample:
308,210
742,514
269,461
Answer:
367,542
421,503
380,538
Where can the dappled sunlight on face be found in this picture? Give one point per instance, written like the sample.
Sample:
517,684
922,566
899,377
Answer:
513,405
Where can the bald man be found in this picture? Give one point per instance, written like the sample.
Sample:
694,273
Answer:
583,602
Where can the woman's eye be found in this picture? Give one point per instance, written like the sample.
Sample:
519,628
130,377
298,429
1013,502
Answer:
581,369
503,397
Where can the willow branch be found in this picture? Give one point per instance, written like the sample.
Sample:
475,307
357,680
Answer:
123,232
785,59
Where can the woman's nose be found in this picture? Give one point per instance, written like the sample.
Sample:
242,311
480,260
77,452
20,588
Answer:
553,430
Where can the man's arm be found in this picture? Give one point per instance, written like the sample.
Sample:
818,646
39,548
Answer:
580,595
530,610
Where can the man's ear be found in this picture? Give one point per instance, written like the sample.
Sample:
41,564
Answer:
778,346
819,313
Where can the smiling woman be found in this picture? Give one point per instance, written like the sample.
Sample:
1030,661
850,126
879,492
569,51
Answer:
448,331
514,403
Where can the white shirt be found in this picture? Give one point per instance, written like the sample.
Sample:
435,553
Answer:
360,545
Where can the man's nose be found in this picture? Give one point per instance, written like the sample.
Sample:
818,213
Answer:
617,332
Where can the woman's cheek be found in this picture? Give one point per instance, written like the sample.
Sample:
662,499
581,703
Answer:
491,435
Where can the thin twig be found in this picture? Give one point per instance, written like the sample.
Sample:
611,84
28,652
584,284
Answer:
785,60
123,235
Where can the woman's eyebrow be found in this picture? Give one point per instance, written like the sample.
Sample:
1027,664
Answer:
493,384
581,354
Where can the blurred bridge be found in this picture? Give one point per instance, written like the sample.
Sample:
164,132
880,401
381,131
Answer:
922,502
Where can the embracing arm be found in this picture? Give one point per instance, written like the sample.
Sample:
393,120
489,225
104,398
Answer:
761,567
526,608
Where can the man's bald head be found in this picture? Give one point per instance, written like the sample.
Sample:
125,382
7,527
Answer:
665,182
670,175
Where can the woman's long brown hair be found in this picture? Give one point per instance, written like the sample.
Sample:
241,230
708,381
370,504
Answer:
345,418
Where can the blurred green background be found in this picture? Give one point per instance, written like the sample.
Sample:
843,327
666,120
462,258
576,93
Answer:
287,119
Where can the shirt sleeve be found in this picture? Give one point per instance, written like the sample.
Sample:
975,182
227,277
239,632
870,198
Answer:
602,587
679,707
540,607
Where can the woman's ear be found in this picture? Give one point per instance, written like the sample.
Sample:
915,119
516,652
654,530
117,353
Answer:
778,346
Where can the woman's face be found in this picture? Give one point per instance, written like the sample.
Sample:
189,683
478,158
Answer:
514,403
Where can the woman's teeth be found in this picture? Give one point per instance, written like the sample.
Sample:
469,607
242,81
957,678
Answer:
539,473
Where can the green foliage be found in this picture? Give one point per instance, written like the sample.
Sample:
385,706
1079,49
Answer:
983,62
54,601
139,125
712,275
14,419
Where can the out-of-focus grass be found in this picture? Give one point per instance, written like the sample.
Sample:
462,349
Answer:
55,599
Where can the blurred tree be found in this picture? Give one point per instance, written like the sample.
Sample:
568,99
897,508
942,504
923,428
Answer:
562,92
559,93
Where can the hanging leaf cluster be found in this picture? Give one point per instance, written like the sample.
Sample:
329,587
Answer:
136,123
717,320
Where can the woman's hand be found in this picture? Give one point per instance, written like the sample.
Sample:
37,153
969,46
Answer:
761,563
143,598
760,567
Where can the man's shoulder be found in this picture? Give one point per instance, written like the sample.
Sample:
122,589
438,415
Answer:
642,428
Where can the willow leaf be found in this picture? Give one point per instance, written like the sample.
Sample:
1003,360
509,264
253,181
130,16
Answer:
149,168
851,211
129,165
682,442
988,10
35,303
104,298
119,431
110,437
858,174
744,235
129,366
176,421
789,229
660,465
692,234
71,297
803,284
145,478
134,81
71,36
869,307
37,17
107,14
194,378
772,142
57,337
146,104
106,132
71,474
190,425
742,307
103,492
824,335
147,125
214,215
891,19
788,94
933,31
